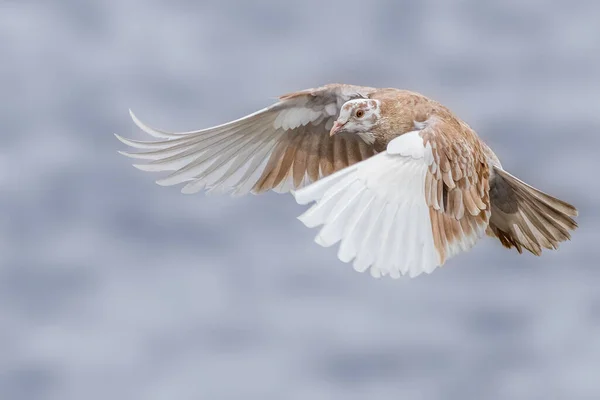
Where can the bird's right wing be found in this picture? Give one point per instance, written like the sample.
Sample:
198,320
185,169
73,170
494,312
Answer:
404,211
281,147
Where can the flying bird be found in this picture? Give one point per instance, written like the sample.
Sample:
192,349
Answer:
401,182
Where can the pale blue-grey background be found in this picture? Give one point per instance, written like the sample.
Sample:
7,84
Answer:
112,287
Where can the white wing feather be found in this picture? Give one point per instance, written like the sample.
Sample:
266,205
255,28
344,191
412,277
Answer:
377,210
226,158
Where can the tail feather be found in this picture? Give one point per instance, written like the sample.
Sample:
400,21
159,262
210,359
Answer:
524,217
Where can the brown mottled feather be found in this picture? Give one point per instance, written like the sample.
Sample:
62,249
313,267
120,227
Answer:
353,154
312,161
525,218
299,165
458,170
313,154
267,179
437,233
287,160
340,158
326,157
365,150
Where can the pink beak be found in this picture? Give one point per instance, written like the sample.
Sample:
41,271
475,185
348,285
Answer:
336,127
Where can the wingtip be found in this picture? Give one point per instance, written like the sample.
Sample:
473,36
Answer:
128,142
299,196
302,219
136,120
120,138
293,193
141,167
144,127
163,183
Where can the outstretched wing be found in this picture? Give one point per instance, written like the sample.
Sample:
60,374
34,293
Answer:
281,147
407,210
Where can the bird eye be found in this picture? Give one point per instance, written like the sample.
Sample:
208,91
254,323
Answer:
360,113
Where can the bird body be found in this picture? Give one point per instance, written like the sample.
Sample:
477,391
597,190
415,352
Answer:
397,178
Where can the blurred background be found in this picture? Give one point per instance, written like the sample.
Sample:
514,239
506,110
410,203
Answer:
112,287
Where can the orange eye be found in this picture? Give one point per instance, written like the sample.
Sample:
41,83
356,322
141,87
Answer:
360,113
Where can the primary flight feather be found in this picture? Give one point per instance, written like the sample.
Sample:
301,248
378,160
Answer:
396,178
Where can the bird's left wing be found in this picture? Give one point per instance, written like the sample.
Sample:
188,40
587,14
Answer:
407,210
281,147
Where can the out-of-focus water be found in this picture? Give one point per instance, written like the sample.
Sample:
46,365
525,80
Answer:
112,287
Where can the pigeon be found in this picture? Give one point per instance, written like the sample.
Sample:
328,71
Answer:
394,177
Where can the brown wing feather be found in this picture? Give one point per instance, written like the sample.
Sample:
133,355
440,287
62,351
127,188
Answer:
526,218
456,185
284,146
317,155
311,153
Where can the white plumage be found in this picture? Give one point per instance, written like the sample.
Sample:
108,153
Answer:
377,209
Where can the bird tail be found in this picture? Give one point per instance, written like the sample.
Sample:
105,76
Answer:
525,217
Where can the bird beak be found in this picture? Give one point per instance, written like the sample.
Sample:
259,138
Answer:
337,126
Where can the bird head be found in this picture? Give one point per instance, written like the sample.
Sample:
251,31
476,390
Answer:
357,116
